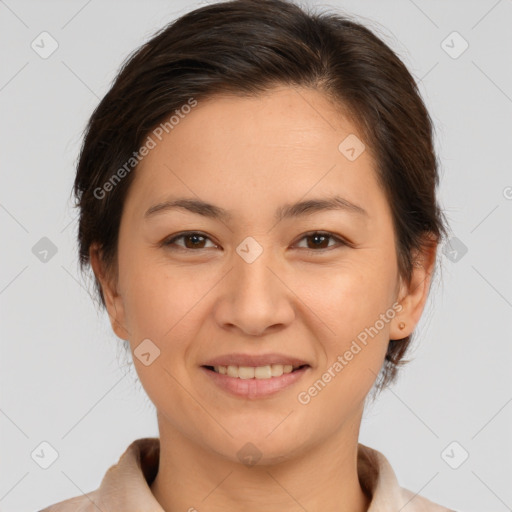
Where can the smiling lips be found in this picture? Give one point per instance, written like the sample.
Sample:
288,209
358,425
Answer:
258,366
255,376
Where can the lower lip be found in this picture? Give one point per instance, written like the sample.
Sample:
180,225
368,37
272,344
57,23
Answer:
255,388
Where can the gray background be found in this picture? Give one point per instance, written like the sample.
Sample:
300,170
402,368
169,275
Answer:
64,379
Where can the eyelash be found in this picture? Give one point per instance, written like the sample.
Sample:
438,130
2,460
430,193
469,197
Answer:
170,241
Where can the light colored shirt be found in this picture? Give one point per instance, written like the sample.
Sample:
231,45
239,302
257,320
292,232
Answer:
126,485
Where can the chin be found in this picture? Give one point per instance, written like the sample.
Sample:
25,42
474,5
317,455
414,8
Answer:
252,448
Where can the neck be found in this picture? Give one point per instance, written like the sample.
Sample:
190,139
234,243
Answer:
191,477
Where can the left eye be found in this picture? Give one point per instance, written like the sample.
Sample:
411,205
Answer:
196,240
319,239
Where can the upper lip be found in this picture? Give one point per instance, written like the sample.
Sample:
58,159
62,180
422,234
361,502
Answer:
254,360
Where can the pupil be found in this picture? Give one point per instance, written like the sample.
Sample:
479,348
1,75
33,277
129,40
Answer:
316,237
195,239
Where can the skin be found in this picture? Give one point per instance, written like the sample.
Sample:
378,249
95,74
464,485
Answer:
251,156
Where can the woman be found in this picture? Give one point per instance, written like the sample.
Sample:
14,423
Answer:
257,197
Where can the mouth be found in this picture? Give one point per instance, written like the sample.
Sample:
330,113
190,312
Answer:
254,376
270,371
254,382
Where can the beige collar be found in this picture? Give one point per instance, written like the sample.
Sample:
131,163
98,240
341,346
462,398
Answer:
126,485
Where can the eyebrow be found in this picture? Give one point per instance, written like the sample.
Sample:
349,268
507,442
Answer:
288,211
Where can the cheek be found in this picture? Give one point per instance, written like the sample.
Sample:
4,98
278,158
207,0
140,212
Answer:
356,305
157,299
349,299
165,307
356,341
148,304
160,307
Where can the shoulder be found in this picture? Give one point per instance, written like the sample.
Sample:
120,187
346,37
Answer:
379,481
420,503
125,485
87,503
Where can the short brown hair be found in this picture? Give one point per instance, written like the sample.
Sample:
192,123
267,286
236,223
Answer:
245,47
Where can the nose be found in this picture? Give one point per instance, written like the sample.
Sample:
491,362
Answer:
255,298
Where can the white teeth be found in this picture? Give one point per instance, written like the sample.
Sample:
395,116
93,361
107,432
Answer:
232,371
251,372
277,370
245,372
263,372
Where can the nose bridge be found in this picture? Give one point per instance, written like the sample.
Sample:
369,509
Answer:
252,275
256,297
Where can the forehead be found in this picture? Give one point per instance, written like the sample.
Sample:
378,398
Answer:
277,146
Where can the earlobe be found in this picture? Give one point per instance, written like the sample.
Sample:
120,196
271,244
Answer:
113,300
413,295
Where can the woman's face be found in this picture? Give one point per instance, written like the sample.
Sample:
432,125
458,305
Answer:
255,280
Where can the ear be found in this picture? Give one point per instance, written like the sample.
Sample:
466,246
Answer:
113,300
413,296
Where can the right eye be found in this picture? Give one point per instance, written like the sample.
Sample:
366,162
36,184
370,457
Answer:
192,240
